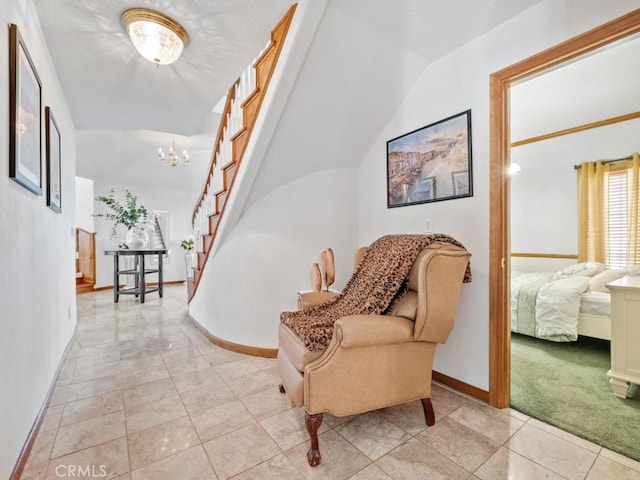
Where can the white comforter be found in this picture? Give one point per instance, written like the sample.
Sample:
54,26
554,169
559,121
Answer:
545,308
558,307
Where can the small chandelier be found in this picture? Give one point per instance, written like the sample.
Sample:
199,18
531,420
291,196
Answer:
173,158
157,37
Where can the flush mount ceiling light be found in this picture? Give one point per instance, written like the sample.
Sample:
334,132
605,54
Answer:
157,37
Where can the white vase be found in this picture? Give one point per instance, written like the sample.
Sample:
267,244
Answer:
137,238
190,263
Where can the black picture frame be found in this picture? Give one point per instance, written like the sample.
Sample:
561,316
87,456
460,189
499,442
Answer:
431,163
25,116
54,162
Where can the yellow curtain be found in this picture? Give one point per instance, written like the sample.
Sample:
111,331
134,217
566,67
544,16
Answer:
592,214
633,184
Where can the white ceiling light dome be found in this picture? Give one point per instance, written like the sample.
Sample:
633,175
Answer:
157,37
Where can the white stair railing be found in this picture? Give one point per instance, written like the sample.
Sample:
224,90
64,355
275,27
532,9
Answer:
233,122
248,91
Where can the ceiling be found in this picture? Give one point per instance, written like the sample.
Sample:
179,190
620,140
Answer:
599,85
109,86
125,107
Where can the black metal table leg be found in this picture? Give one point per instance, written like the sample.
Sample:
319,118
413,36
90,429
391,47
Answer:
160,275
136,275
116,287
141,281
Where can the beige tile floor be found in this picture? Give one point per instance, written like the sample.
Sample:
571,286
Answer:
143,395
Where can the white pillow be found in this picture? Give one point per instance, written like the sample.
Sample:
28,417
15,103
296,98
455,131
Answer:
584,269
597,282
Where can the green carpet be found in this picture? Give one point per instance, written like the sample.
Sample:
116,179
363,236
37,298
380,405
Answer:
566,385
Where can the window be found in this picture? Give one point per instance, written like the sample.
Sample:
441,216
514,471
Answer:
617,220
609,212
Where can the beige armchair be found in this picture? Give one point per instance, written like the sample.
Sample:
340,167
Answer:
375,361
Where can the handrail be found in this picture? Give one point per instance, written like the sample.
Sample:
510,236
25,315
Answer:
244,100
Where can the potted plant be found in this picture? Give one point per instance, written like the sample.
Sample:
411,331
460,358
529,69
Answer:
133,216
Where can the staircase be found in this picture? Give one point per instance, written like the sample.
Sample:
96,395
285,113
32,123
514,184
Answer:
241,110
157,239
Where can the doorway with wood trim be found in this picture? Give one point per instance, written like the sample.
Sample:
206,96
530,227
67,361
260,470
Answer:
85,261
500,249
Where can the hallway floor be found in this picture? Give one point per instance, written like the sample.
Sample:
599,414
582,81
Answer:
143,395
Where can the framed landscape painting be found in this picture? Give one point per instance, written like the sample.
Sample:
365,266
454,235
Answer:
431,163
25,106
54,162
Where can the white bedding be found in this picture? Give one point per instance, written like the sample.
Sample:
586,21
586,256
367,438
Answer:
596,303
558,307
551,309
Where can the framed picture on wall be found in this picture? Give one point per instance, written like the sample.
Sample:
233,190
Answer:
25,120
54,162
431,163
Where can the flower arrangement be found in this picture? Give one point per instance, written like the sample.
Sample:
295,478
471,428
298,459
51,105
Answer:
130,214
188,243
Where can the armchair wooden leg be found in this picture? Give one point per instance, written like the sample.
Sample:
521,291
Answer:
429,415
313,422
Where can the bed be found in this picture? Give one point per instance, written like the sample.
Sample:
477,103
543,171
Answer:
562,300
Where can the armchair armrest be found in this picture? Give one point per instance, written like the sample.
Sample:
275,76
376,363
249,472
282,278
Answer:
367,330
311,299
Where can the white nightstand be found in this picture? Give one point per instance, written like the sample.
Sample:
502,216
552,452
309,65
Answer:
625,334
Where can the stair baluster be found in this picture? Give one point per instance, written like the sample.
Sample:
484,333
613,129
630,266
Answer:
241,108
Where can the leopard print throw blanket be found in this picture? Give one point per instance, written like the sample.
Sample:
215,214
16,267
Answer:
380,278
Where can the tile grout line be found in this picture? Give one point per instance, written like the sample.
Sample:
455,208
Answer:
175,320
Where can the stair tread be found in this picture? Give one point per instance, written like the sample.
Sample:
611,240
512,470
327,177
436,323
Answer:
229,164
263,66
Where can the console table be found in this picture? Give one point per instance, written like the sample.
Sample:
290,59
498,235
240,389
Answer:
625,334
139,272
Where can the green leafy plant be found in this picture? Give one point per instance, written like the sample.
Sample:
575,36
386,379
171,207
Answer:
129,214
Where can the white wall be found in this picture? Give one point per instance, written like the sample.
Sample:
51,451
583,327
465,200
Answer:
37,286
263,260
544,196
450,85
590,89
178,203
267,257
84,204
